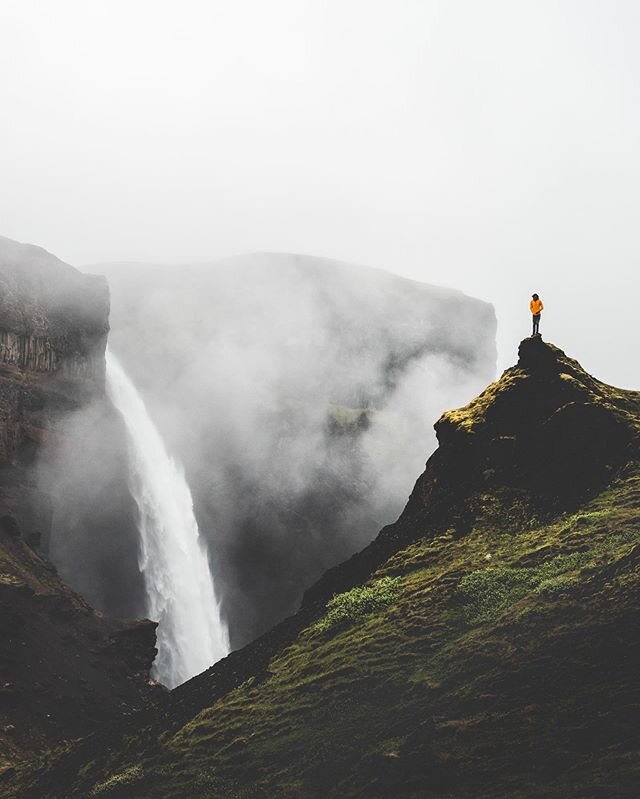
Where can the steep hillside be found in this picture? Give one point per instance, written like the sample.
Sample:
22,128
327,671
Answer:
483,647
64,669
300,394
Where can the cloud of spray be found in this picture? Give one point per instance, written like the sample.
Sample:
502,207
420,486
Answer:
92,539
300,394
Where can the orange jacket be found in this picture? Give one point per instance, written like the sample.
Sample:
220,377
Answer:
536,306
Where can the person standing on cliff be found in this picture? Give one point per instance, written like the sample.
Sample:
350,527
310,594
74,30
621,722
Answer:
536,307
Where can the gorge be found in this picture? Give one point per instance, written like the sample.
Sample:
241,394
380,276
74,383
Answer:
286,462
299,393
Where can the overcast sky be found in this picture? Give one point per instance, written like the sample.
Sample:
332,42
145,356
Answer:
486,145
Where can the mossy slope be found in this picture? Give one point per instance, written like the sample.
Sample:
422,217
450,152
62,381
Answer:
500,660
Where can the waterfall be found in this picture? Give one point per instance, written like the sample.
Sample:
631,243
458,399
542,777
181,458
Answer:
172,558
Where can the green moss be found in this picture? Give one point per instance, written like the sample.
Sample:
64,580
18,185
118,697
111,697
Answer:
472,416
556,585
354,605
488,592
349,420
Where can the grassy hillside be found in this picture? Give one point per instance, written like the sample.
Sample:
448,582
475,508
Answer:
484,646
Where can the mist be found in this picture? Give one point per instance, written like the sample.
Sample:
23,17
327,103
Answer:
93,539
299,396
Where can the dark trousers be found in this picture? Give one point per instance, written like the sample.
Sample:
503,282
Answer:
536,324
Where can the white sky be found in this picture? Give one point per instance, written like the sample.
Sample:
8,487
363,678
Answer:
489,145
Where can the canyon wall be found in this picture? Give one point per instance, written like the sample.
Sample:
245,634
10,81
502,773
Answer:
64,669
53,318
54,323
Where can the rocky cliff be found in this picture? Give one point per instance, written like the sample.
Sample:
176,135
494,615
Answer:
53,333
485,645
53,319
64,669
62,445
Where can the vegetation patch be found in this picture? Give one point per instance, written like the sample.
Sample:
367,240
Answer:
356,604
556,585
342,419
114,783
491,591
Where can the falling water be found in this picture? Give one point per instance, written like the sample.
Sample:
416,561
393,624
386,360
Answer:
172,559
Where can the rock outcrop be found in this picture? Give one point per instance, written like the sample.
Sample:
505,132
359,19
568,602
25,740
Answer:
537,441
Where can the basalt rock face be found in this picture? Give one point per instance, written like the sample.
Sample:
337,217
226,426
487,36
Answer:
53,333
53,319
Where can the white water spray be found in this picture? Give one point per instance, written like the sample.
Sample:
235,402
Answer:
172,559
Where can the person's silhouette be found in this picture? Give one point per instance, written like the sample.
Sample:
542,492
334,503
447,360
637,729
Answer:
536,307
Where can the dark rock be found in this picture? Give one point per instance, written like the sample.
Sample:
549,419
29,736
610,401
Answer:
9,526
34,540
535,355
7,773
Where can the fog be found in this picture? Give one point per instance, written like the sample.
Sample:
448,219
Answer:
488,146
299,395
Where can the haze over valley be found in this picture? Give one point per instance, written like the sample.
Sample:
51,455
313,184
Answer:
299,396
